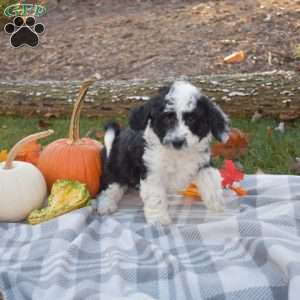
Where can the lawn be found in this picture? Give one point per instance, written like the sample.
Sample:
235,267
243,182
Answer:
270,153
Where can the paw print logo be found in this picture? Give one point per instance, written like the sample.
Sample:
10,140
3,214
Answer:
24,32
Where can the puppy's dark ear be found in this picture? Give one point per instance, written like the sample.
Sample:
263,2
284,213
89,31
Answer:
139,116
219,122
164,90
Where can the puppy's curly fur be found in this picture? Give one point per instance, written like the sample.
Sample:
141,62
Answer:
165,147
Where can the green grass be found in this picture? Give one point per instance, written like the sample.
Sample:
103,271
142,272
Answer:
271,154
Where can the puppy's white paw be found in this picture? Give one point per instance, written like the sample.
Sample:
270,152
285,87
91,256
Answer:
106,205
214,201
162,217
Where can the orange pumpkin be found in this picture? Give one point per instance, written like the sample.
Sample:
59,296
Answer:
73,158
30,152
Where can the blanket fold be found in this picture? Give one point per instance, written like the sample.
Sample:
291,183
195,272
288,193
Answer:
250,252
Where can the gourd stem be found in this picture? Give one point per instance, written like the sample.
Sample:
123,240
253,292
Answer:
74,131
15,149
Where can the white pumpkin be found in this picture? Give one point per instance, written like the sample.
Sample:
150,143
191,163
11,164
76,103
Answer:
22,186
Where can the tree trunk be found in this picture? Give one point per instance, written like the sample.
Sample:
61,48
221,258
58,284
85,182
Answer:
275,94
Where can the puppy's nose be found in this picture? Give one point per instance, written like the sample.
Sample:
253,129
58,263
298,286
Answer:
178,143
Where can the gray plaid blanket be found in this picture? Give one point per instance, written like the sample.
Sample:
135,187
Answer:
251,251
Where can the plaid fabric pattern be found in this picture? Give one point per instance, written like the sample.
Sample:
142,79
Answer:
252,251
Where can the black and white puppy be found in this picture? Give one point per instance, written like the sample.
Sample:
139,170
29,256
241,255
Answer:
166,147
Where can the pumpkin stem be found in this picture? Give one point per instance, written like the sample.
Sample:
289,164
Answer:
15,149
74,131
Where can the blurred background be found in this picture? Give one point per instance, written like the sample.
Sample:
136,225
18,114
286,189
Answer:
153,39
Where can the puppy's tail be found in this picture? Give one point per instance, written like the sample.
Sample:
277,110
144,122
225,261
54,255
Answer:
112,130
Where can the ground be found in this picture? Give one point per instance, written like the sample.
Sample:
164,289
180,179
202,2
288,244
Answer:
154,39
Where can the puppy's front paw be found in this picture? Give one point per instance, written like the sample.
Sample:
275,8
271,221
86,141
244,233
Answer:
157,217
214,200
105,205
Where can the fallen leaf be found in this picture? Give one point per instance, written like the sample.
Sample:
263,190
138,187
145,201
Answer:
230,173
235,147
235,57
3,155
239,191
231,176
191,191
280,128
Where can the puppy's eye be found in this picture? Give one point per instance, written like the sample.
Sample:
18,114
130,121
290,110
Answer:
190,118
169,118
